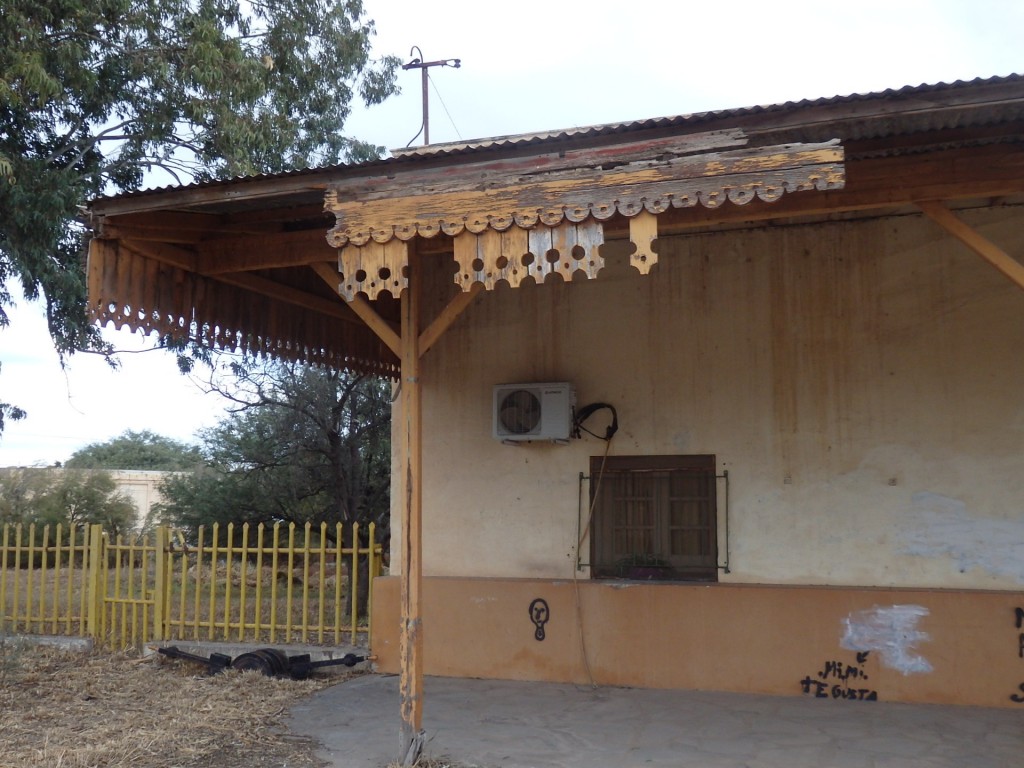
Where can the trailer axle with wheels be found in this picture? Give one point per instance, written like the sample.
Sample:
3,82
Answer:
271,662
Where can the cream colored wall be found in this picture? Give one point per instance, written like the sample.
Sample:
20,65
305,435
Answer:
142,487
863,384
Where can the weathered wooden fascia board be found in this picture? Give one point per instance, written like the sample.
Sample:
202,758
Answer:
165,226
599,190
313,183
452,174
306,186
881,184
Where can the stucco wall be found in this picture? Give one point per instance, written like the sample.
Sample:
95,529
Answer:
823,643
142,487
862,383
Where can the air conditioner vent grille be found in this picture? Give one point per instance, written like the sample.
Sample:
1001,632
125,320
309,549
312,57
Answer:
541,412
520,412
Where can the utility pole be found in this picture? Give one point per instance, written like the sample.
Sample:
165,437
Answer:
423,66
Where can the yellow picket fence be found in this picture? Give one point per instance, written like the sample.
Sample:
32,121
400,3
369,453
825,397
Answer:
240,583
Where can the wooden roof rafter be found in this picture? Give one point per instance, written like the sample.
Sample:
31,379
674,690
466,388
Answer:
1010,267
533,209
155,288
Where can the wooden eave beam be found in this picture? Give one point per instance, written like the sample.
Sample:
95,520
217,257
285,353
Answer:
872,184
594,186
185,259
166,253
305,186
194,227
168,218
152,234
267,251
430,335
289,295
962,231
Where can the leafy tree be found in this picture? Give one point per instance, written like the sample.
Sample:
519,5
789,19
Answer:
137,450
96,93
303,444
52,496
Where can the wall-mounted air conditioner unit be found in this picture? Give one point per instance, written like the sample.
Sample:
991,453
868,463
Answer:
533,411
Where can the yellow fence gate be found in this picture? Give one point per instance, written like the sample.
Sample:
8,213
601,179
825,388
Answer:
283,583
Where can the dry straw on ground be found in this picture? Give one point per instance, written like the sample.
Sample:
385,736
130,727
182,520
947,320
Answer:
101,710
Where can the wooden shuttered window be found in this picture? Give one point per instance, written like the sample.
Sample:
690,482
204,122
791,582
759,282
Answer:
654,517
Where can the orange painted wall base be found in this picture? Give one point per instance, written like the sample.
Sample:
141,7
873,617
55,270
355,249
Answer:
829,643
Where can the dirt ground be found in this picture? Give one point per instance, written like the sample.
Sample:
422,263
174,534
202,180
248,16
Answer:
101,710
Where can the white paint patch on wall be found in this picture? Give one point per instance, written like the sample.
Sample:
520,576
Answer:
938,526
891,631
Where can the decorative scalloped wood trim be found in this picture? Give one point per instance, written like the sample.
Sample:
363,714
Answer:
372,268
134,289
589,191
643,231
515,254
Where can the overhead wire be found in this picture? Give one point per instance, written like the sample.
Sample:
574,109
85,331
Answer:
445,107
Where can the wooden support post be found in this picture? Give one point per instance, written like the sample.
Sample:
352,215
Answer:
411,637
992,253
410,347
97,586
161,584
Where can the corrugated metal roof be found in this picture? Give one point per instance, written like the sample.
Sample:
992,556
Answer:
886,121
699,118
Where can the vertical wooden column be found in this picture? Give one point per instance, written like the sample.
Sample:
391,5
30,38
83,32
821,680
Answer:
411,639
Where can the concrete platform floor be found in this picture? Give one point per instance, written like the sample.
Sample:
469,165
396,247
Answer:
496,723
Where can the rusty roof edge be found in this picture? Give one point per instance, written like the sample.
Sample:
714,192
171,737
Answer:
891,104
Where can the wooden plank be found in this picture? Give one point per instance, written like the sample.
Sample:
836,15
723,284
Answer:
100,251
268,251
593,190
643,231
876,184
520,169
962,231
459,303
373,268
152,234
411,635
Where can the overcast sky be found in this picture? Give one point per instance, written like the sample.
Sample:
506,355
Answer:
532,66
